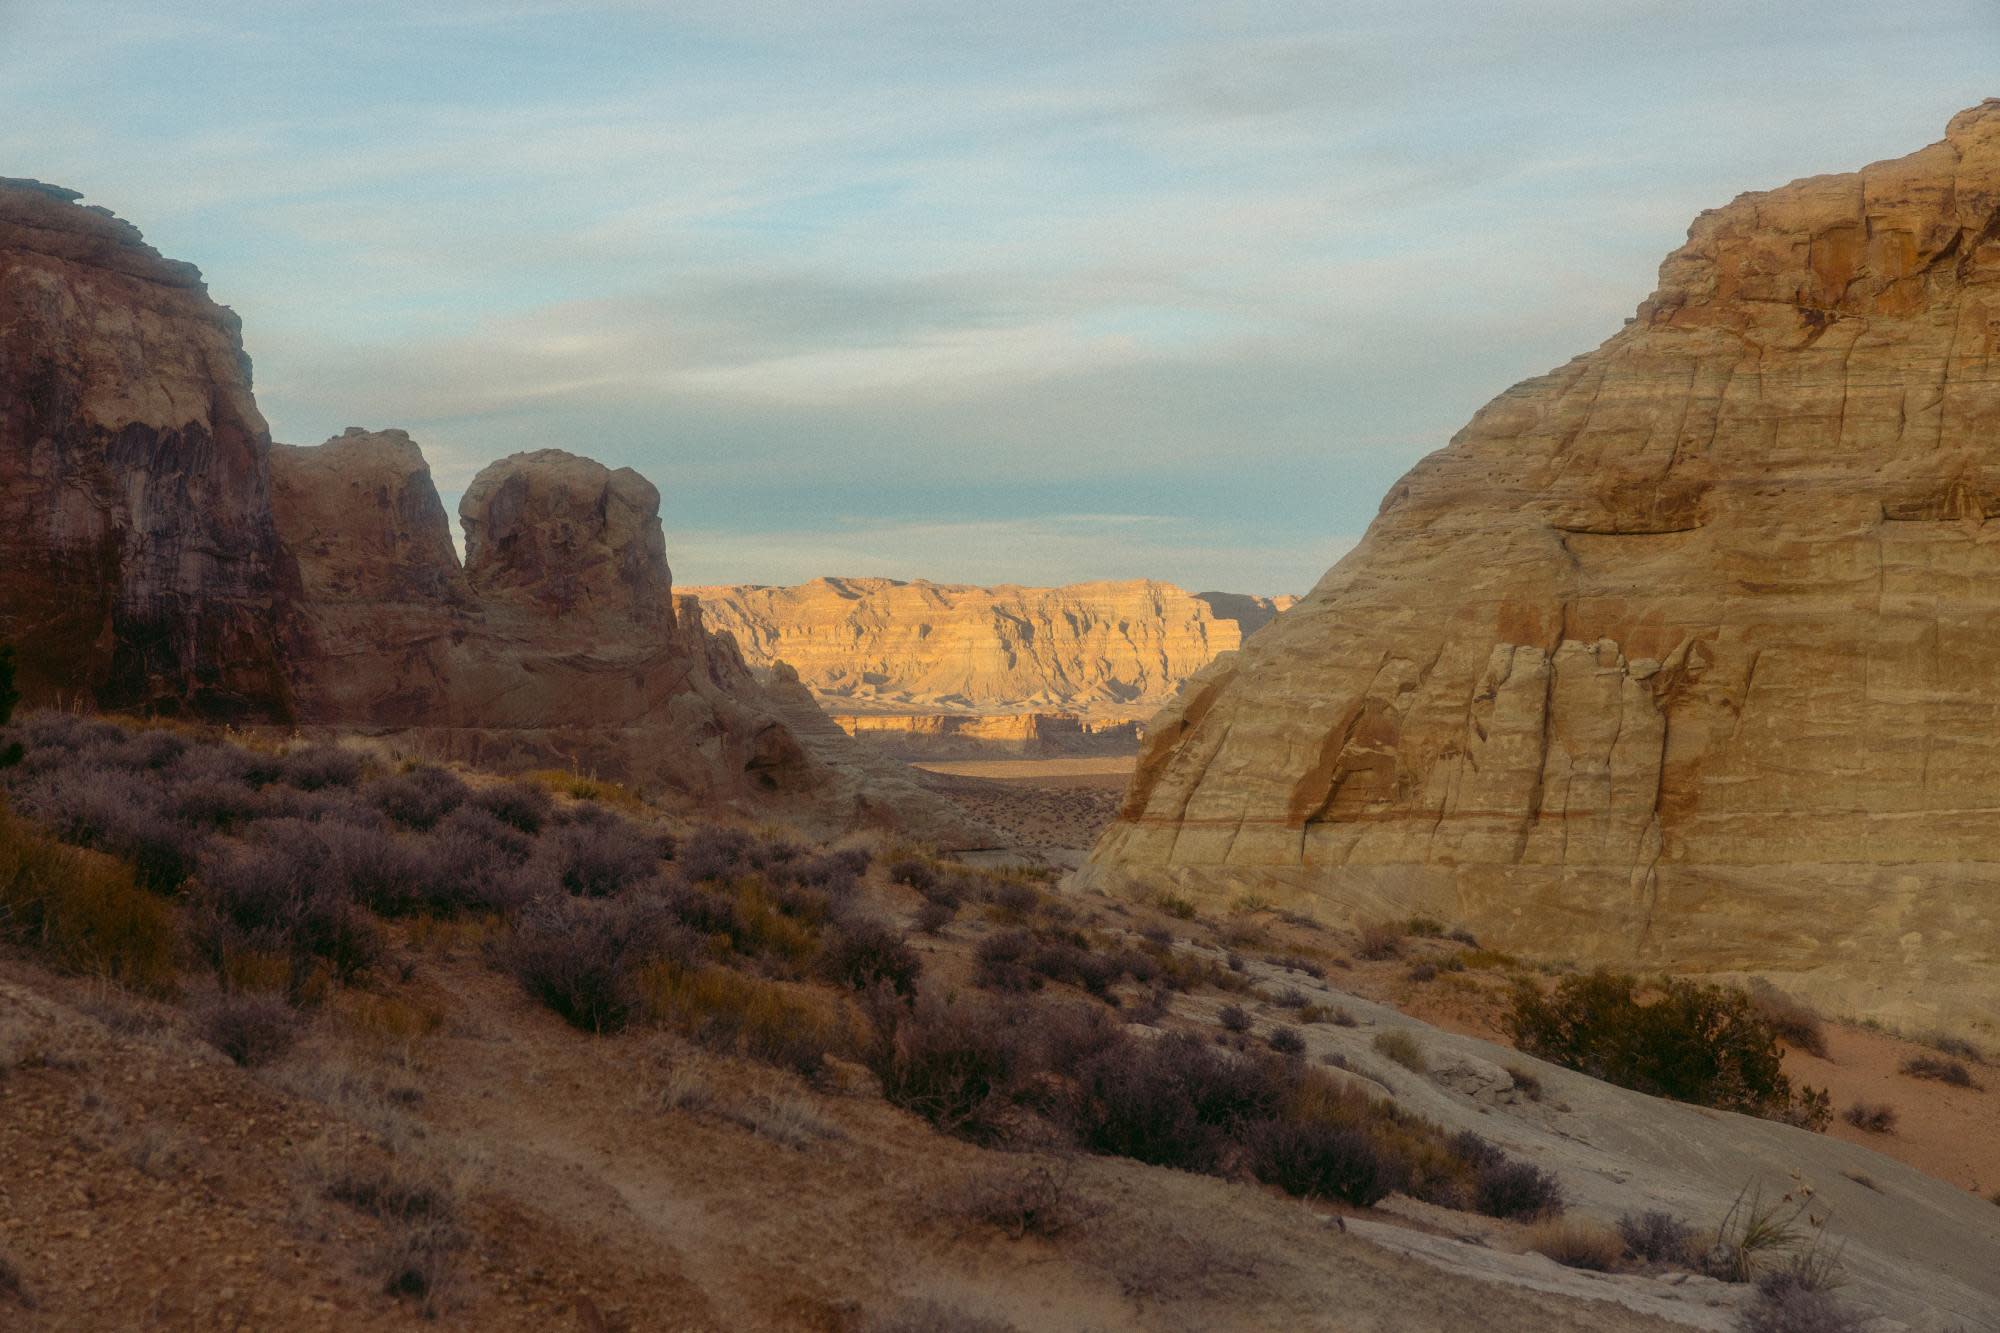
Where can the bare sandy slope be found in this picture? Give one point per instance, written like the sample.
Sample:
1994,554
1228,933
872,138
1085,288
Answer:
148,1183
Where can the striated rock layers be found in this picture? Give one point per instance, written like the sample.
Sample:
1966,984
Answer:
961,735
880,645
138,565
1686,654
158,554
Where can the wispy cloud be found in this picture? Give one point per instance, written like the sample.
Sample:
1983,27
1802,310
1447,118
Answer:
1226,267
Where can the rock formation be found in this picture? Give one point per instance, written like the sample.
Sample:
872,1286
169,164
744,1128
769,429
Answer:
880,645
1683,654
138,566
158,554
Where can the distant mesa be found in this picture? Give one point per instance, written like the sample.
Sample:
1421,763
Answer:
1683,655
1089,652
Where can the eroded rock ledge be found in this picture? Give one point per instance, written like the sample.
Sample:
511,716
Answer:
1683,654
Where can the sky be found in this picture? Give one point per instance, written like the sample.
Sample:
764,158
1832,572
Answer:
1000,292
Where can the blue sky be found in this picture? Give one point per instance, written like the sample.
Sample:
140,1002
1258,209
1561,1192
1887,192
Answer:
1026,291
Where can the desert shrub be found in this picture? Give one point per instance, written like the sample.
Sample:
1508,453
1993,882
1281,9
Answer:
1576,1243
1036,1199
1694,1043
915,872
1315,1159
82,910
861,954
1872,1117
790,1026
1287,1041
1795,1022
251,1029
522,806
1233,1018
473,862
418,798
1424,972
1012,901
1181,909
1753,1232
121,813
1785,1304
282,893
1000,961
13,1286
1424,927
1173,1101
215,802
829,875
1508,1188
1152,1008
600,859
419,1262
582,959
1943,1071
933,917
1657,1237
956,1064
1379,941
397,1189
316,767
1400,1046
713,852
1958,1047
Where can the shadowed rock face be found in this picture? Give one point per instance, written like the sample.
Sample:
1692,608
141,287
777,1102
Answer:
1686,653
138,564
567,534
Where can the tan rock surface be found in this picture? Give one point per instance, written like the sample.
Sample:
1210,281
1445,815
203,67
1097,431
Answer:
1683,654
881,645
138,566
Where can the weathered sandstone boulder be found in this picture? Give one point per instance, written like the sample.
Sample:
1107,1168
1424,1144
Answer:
138,565
881,645
1685,654
558,644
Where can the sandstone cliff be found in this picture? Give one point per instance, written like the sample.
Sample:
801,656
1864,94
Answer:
961,735
880,645
1682,654
138,566
157,554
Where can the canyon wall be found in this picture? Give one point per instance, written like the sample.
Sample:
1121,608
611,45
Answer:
1686,654
138,565
880,645
968,736
159,555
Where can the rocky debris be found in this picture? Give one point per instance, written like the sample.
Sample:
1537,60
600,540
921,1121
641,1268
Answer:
1103,649
139,568
1681,655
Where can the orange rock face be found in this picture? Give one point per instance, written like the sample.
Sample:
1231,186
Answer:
1684,654
138,565
880,645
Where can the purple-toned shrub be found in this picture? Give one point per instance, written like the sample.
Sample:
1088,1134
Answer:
523,805
582,958
316,767
600,859
1316,1160
714,853
419,798
862,954
1175,1101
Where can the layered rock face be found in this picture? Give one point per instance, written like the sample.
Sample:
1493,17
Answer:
959,735
880,645
138,564
1683,654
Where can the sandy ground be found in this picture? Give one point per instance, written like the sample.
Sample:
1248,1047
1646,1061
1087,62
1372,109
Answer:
1054,807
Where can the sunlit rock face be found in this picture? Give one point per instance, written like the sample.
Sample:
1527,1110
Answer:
1685,654
138,565
1105,648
